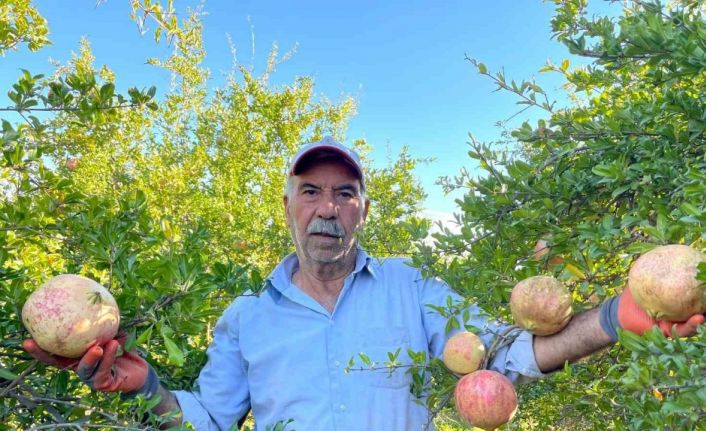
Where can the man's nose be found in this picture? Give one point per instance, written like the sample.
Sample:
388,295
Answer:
328,207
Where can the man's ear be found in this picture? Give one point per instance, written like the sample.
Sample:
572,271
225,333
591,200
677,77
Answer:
285,202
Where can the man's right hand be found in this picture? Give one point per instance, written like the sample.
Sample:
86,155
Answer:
103,370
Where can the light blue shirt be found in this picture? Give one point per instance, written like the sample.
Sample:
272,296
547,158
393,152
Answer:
282,354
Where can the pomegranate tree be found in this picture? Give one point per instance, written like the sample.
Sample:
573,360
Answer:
69,313
463,352
663,282
541,304
485,399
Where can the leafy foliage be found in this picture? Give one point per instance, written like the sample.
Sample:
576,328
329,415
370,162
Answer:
618,171
21,23
172,201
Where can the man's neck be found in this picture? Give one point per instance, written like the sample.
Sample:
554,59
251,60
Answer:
324,282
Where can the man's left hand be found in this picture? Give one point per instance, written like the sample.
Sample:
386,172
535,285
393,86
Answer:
634,319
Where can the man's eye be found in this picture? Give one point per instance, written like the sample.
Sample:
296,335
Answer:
309,192
346,195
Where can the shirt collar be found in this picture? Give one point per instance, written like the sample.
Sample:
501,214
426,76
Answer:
363,261
281,277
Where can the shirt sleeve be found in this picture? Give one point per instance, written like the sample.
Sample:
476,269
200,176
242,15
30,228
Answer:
516,361
222,397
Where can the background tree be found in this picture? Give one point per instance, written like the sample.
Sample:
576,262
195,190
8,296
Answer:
174,203
21,24
618,171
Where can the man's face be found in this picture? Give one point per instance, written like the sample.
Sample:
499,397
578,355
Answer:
324,211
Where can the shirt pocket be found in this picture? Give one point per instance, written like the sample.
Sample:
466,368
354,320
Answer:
377,344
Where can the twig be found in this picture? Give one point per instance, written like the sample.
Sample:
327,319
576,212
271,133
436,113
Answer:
77,425
479,149
105,415
100,108
388,367
434,413
31,405
162,303
503,339
19,378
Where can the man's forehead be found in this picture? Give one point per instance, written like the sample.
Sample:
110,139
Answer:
333,183
353,185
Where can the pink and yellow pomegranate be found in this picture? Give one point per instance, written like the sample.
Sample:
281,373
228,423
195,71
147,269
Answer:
463,352
485,399
69,313
541,304
663,282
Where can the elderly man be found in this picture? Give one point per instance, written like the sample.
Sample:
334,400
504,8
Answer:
283,353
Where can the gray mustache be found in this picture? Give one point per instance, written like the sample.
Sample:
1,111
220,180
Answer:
326,227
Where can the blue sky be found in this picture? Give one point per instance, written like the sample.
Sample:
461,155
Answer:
402,60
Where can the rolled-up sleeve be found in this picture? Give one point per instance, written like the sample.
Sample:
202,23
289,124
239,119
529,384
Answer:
516,361
194,412
222,397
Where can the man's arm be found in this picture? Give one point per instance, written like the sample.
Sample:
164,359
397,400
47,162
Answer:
581,337
168,404
595,329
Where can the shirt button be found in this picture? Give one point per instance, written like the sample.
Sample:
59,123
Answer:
341,407
337,363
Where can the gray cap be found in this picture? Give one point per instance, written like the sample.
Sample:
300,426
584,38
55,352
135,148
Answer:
326,148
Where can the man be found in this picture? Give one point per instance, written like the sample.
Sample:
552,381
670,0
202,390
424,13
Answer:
283,353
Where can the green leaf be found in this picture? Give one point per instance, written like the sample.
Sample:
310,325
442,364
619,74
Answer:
60,382
607,171
393,356
451,324
7,374
620,190
176,356
631,341
130,340
688,208
640,247
107,91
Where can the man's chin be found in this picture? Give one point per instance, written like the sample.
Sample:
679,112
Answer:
322,256
327,254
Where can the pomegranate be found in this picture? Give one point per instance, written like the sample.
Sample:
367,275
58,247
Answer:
464,352
485,399
71,164
542,249
663,282
541,304
69,313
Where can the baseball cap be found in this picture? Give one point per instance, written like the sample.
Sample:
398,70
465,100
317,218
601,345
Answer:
326,148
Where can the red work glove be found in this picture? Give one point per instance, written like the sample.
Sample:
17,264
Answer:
623,312
101,369
633,318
